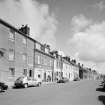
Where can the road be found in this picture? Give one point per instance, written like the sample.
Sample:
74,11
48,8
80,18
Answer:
84,92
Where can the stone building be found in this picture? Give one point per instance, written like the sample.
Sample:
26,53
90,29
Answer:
57,65
22,55
44,63
67,69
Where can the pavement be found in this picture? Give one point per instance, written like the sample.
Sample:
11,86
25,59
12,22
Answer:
84,92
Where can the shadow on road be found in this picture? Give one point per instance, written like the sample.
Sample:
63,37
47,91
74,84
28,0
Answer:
2,91
102,99
24,88
101,85
100,89
17,87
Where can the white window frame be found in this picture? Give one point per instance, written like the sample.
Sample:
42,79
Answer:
24,56
38,59
11,55
12,35
38,46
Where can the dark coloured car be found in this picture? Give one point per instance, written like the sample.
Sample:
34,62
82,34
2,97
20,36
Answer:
3,86
77,79
103,84
63,80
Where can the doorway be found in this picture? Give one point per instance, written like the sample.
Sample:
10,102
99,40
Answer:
30,73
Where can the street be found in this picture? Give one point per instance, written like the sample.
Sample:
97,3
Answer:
84,92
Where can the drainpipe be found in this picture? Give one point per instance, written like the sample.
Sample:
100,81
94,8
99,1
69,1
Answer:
34,61
53,71
61,67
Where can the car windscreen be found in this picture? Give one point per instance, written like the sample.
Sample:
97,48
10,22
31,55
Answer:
20,78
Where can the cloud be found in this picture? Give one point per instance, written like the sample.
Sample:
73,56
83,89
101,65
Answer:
89,42
79,23
100,5
42,23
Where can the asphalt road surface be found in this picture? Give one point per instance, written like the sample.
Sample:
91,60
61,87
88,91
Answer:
84,92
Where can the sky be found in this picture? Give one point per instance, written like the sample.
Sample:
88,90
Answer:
75,27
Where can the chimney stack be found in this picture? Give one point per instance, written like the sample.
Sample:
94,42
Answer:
25,29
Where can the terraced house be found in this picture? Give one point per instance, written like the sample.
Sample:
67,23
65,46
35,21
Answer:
44,63
64,67
68,68
22,55
58,65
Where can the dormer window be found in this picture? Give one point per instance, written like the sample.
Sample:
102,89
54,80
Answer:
42,48
38,46
46,50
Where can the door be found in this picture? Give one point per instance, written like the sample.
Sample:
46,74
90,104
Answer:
44,76
30,73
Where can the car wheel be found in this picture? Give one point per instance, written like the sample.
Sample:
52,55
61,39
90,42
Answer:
25,85
39,84
1,89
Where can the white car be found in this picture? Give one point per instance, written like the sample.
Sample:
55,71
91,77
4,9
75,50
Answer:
25,81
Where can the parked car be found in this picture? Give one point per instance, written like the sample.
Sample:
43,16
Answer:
3,86
103,84
25,82
77,79
63,80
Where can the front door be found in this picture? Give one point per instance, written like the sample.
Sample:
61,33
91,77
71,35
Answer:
30,73
44,76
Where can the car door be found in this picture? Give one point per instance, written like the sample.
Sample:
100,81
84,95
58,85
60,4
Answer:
30,83
34,82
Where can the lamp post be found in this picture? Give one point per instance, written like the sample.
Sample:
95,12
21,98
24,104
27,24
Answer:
93,68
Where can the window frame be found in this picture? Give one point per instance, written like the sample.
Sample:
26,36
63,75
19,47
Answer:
12,71
12,35
24,57
25,72
11,55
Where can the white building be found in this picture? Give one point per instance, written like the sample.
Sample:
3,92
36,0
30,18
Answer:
68,70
